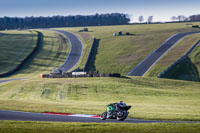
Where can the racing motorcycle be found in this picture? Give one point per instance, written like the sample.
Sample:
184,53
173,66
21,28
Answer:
115,111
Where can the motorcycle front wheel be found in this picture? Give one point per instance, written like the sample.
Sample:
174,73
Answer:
123,116
103,116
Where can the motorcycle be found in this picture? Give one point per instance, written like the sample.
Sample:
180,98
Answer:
115,111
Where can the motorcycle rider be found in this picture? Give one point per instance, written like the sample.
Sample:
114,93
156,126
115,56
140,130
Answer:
115,106
122,104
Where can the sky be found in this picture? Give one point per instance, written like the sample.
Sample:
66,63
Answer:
161,10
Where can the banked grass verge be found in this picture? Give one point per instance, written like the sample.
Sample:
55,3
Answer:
150,98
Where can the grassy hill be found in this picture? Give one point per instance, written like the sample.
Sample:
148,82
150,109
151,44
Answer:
15,47
151,98
120,54
195,58
51,54
117,54
175,53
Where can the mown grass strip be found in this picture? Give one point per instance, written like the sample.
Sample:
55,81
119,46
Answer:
58,127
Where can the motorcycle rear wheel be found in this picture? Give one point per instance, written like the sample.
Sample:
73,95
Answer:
103,116
123,116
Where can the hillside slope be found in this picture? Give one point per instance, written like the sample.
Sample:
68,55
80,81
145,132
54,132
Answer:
175,53
120,54
52,52
15,47
151,98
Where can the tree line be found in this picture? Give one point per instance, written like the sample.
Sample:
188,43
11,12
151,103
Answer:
149,19
178,18
63,21
191,18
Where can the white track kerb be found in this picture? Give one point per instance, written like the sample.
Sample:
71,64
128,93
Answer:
75,115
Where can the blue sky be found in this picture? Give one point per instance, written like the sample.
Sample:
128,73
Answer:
162,10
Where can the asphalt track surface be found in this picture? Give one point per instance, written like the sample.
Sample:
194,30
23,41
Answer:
149,61
27,116
6,80
75,52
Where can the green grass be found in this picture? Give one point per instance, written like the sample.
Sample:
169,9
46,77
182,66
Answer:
15,47
180,49
50,55
150,98
50,127
184,70
195,57
121,54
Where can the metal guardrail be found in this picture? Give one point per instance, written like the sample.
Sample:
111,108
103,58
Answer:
179,60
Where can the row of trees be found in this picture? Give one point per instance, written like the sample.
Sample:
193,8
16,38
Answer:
173,18
180,18
184,18
195,17
149,19
64,21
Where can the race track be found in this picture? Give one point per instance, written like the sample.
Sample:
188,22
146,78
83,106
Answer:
149,61
70,62
72,58
27,116
6,80
75,52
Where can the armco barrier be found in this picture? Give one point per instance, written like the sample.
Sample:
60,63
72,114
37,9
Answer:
40,36
179,60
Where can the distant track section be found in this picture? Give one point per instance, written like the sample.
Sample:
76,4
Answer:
75,52
6,80
149,61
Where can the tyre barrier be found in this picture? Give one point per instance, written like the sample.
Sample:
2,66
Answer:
78,75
